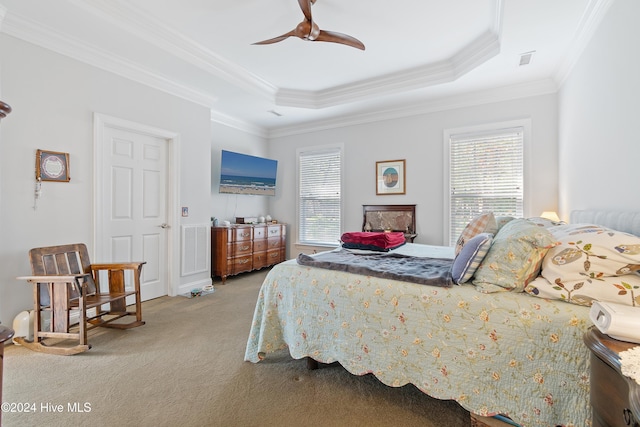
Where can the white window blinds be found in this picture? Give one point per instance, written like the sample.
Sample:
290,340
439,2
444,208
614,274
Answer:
319,197
486,175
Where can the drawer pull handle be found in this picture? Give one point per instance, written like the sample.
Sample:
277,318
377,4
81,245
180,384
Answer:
628,417
245,234
244,248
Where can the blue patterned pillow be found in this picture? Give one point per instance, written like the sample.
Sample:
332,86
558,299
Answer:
470,257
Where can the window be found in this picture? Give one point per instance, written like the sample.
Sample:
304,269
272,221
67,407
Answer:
319,196
486,174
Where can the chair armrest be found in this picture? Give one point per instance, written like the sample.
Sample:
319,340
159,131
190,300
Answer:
79,283
53,278
116,271
117,266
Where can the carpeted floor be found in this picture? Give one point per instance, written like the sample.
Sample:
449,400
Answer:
185,368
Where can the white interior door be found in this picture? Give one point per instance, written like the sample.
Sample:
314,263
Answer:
134,209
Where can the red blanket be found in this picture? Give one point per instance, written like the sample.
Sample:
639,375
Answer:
372,240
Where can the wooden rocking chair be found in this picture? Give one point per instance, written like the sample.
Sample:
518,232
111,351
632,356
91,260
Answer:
65,282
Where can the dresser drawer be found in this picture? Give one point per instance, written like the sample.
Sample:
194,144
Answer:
615,399
274,243
609,396
241,264
260,232
274,231
260,245
274,256
260,260
241,248
243,234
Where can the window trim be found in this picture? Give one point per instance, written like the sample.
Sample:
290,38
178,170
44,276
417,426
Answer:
525,124
319,148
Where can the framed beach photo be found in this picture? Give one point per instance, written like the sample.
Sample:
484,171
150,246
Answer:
52,166
390,177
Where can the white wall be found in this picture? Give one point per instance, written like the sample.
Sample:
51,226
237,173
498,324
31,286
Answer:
53,100
598,110
229,206
584,147
419,140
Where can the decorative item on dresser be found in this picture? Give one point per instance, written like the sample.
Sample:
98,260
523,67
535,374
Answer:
615,399
243,247
390,218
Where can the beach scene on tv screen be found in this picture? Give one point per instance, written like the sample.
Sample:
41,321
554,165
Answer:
245,174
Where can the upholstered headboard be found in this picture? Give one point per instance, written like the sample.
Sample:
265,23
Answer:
627,221
389,217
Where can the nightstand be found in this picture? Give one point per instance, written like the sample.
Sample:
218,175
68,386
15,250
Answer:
615,399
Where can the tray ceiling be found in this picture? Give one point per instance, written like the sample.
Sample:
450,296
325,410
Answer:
420,54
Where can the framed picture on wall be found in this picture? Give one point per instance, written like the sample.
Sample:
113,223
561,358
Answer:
390,177
52,166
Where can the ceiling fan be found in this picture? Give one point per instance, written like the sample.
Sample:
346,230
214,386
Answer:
309,30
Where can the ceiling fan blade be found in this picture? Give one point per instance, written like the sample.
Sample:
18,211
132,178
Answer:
305,5
308,30
331,36
303,30
277,39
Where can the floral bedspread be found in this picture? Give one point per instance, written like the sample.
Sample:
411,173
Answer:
507,353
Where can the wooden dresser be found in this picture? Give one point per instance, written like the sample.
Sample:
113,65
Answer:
615,399
242,247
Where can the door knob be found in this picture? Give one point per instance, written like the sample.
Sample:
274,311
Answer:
164,225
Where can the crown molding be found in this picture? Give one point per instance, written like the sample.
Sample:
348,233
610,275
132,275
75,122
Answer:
499,94
142,25
591,19
363,89
232,122
136,22
471,56
51,39
480,50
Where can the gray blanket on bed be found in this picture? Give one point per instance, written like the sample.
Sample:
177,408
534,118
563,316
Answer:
425,271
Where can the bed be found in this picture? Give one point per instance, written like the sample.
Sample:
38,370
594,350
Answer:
520,354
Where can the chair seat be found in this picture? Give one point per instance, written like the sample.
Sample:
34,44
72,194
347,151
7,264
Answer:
97,300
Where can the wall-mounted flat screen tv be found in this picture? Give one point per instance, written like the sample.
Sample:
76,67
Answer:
245,174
